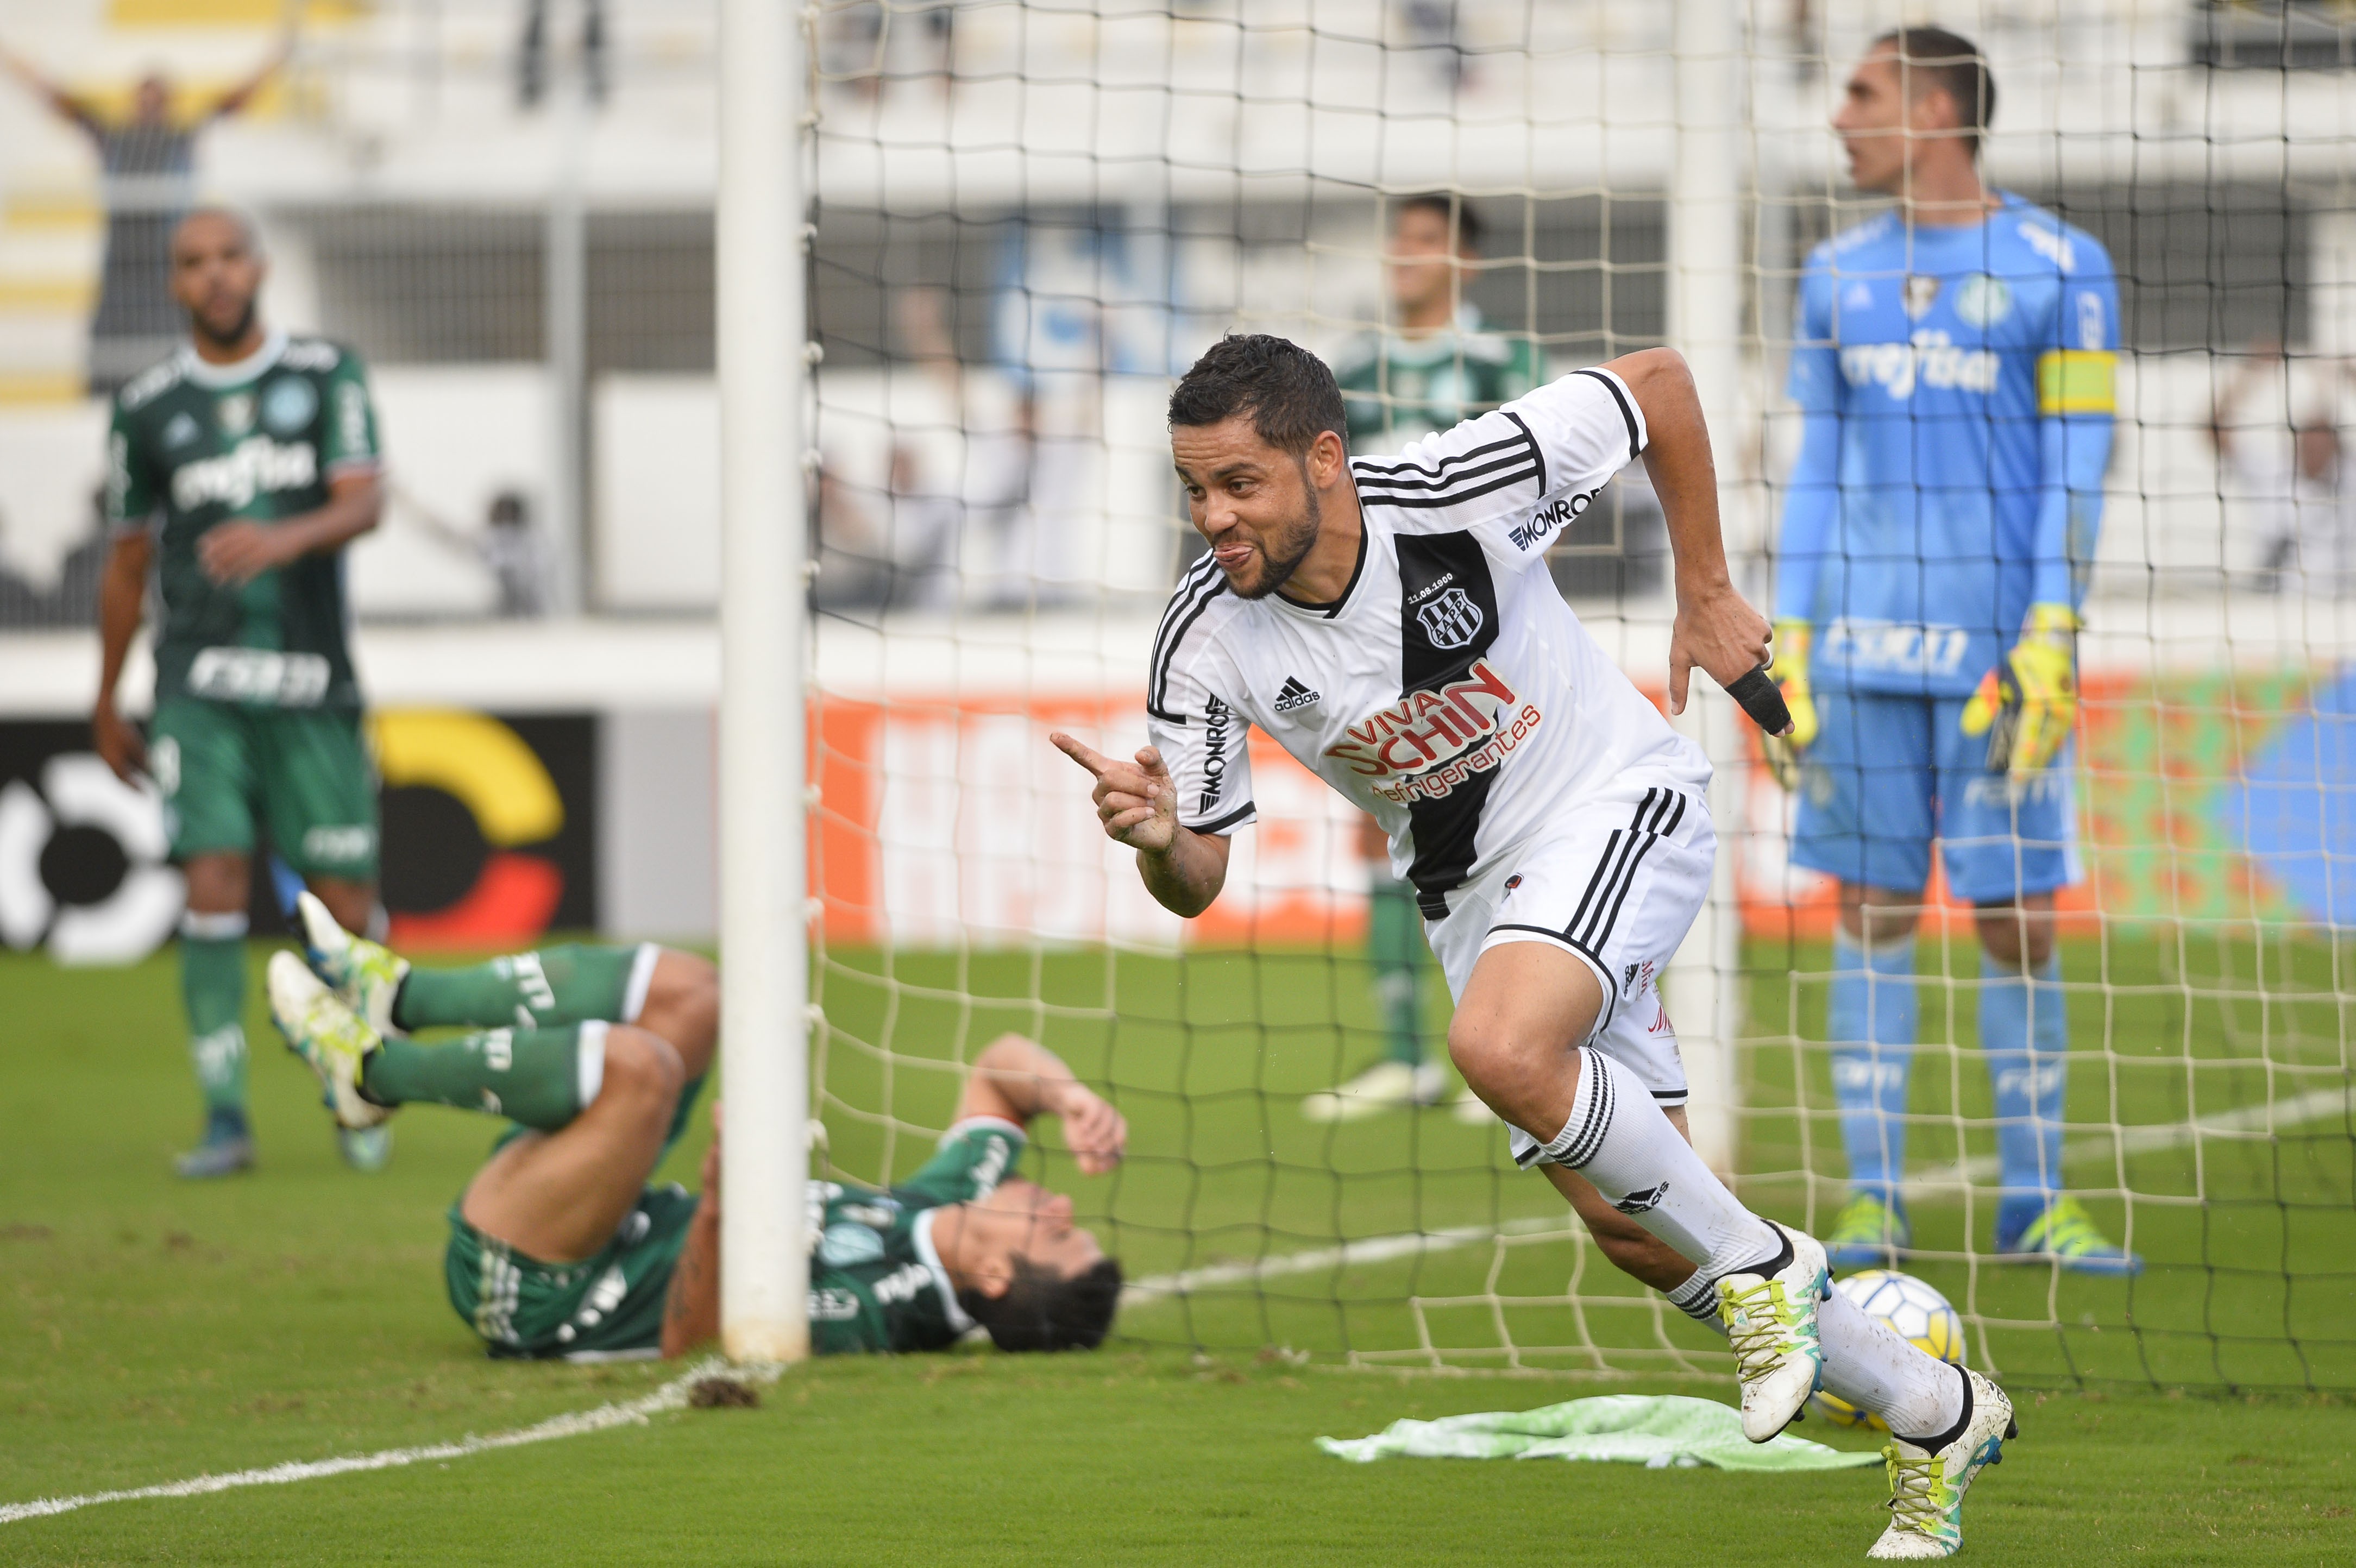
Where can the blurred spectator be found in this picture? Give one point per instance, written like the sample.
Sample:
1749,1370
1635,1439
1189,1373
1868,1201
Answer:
148,179
532,54
2305,516
506,545
73,600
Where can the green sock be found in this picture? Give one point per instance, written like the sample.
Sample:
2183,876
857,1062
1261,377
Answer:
569,985
212,990
1395,948
540,1077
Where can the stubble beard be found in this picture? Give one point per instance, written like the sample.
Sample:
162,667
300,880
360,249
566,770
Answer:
231,339
1291,548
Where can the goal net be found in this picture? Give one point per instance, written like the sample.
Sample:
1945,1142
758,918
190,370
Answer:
1029,216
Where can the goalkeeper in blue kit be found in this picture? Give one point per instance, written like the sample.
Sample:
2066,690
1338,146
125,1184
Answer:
1954,376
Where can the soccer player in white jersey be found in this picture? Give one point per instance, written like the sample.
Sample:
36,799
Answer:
1553,826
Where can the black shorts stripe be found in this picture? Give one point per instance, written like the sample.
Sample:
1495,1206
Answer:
1610,984
1617,851
1635,447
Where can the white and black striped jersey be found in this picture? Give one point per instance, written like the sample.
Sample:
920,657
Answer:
1449,690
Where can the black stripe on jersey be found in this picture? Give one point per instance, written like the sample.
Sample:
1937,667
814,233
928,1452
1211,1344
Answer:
1627,413
1203,584
1535,450
1522,474
1516,456
1229,820
1447,830
1383,471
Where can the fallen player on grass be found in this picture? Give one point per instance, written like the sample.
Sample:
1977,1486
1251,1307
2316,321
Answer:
559,1246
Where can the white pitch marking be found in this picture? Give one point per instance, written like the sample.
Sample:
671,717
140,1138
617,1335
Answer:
2145,1139
673,1395
1923,1184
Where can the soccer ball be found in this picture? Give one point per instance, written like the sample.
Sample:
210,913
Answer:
1908,1305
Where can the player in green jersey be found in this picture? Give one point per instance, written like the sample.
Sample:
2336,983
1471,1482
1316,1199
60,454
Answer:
1429,368
560,1247
237,469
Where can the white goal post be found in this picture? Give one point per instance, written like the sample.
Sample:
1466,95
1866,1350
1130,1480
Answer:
765,1266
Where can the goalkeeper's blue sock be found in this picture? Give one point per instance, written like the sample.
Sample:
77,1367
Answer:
2025,1035
1873,1018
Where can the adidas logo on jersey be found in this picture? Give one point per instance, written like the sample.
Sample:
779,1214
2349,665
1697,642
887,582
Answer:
1296,695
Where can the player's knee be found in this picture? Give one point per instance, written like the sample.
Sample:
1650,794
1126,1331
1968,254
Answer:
1488,1050
642,1067
685,991
2016,938
218,883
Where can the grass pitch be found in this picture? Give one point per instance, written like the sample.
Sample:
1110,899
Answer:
157,1330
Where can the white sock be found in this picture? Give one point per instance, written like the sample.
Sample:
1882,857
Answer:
1619,1140
1869,1364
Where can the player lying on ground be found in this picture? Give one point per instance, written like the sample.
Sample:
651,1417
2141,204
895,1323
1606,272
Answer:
1554,827
560,1247
1955,374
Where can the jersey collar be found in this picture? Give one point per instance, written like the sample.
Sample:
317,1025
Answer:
921,1232
237,373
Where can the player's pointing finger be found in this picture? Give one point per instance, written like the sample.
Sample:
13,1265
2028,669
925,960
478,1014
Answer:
1079,754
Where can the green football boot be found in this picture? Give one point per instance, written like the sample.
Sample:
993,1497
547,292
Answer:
326,1035
1869,1233
366,975
1926,1489
2064,1232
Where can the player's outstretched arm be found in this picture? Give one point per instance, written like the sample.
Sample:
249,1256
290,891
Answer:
1016,1078
1138,804
1717,629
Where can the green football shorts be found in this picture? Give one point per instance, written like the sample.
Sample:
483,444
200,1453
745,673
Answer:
303,774
610,1306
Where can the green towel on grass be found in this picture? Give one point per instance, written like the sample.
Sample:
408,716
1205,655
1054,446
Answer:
1654,1430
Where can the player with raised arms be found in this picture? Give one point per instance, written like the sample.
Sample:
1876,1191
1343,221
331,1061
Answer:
1953,375
559,1246
1554,827
237,471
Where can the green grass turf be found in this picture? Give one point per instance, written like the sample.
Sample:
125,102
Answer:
157,1330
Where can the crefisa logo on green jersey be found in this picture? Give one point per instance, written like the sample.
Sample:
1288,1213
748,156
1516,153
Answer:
255,466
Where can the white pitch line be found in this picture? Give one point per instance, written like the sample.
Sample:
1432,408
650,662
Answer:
673,1395
1371,1250
1923,1184
2145,1139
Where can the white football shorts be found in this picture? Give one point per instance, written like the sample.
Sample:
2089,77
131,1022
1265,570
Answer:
1616,883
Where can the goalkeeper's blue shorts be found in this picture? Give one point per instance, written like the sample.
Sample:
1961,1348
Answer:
1887,773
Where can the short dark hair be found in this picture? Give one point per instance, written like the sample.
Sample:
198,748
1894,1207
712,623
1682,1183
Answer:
1450,208
1949,63
1044,1311
1290,394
